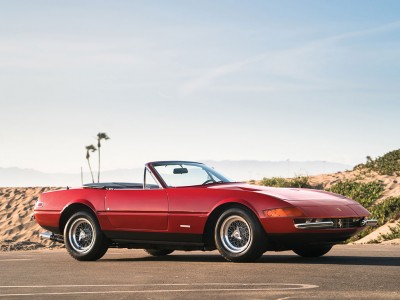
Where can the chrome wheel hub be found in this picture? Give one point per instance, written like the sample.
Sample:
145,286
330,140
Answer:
81,235
235,234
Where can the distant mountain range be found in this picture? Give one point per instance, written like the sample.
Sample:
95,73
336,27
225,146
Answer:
239,170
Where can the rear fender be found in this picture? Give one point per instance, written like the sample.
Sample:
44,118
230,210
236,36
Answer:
80,201
66,212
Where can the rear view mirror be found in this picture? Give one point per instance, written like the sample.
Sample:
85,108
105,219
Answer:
180,171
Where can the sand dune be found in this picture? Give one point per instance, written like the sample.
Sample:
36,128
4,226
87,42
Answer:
392,183
17,231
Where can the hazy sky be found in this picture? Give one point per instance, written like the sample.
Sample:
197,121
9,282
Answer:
197,80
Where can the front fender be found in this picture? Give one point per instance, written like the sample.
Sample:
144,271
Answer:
235,201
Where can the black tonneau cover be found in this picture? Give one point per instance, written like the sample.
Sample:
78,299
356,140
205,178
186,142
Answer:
113,185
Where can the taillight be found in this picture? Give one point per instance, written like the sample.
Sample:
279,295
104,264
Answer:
38,203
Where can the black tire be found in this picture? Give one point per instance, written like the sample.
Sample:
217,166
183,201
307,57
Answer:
83,237
244,243
158,252
312,251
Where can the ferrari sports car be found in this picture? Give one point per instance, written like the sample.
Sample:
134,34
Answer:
187,206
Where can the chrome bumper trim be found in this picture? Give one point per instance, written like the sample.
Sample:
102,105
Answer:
314,225
371,222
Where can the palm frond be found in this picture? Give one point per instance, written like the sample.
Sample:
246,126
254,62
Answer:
102,136
91,148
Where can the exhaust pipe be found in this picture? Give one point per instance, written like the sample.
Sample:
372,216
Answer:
52,237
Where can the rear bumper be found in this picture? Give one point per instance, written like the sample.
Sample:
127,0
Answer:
49,220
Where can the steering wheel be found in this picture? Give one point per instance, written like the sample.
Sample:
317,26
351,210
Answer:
208,181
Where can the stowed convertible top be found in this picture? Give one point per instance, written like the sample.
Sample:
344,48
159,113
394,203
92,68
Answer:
113,185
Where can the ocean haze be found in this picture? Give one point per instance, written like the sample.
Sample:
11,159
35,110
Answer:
240,170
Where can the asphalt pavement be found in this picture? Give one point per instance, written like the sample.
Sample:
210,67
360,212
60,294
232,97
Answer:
347,272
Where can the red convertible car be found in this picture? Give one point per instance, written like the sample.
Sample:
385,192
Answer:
188,206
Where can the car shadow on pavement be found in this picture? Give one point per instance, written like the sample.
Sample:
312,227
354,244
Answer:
273,259
333,260
172,258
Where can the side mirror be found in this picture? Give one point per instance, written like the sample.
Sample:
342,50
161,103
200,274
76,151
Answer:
180,171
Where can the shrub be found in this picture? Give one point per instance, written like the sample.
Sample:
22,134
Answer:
389,210
364,193
388,164
275,181
393,234
296,182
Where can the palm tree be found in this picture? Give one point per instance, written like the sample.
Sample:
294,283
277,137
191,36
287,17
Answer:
90,148
100,136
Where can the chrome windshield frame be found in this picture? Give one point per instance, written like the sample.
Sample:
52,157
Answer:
152,165
147,170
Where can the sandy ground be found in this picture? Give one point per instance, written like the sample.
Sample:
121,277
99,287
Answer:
17,231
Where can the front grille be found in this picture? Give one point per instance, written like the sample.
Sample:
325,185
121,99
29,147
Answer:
346,223
337,222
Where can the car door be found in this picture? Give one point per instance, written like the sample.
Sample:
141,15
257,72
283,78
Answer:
189,208
137,209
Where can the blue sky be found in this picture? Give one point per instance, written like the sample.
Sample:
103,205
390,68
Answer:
198,80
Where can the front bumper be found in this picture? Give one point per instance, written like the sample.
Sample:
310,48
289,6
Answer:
371,222
337,223
314,225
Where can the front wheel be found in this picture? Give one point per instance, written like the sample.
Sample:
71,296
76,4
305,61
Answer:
239,236
312,251
83,237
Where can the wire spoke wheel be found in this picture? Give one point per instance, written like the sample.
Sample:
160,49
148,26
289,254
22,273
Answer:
235,234
238,235
81,235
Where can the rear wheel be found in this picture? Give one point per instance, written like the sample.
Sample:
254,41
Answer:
158,252
312,251
83,237
239,236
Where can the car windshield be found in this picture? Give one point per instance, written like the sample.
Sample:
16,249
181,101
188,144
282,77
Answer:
176,174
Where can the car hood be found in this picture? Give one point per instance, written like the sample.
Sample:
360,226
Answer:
297,196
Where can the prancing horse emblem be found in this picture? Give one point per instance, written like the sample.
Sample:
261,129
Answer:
340,224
